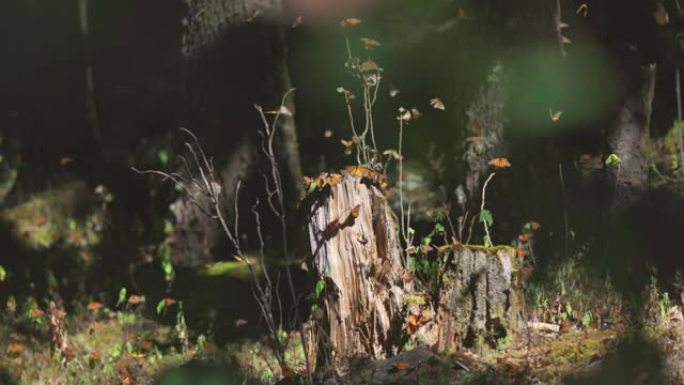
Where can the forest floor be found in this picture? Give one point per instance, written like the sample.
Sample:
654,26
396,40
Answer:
125,348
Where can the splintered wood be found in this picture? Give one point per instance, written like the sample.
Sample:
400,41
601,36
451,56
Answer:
356,251
370,304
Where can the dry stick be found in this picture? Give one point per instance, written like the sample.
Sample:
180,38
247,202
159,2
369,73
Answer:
279,193
371,102
680,11
362,137
404,232
679,119
211,189
356,138
482,206
461,225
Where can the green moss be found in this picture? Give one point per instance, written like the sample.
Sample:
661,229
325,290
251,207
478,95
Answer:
233,269
66,213
490,249
414,299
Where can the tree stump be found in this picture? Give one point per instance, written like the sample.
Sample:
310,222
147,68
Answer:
477,304
481,300
370,303
356,252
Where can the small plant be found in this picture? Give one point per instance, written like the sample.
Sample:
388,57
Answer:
181,328
613,160
486,217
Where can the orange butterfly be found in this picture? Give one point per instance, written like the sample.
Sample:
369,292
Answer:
437,104
334,179
368,42
350,22
359,171
368,66
500,163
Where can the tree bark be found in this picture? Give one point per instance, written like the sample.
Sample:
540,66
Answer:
481,300
628,138
372,305
358,257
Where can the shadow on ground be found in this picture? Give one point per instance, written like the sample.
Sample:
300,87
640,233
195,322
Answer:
201,374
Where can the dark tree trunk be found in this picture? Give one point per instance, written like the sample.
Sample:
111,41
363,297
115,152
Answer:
628,139
235,58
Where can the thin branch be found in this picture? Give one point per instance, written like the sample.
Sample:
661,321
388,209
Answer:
482,206
404,225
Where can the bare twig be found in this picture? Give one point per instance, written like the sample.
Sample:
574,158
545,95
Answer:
482,205
277,191
356,138
201,168
404,230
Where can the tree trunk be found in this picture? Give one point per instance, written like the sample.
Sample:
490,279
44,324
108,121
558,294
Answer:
486,121
628,139
235,57
481,301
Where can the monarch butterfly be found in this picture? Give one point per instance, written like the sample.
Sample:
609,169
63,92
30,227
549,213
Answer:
500,163
437,104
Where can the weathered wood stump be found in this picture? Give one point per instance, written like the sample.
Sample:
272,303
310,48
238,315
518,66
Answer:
356,251
370,303
480,302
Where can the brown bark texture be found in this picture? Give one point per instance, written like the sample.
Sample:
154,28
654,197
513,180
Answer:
356,250
372,305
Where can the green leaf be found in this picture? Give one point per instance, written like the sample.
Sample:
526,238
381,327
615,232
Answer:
163,157
427,240
167,266
340,90
3,274
439,228
586,319
486,217
168,227
613,159
160,306
122,296
115,351
201,343
411,263
320,285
